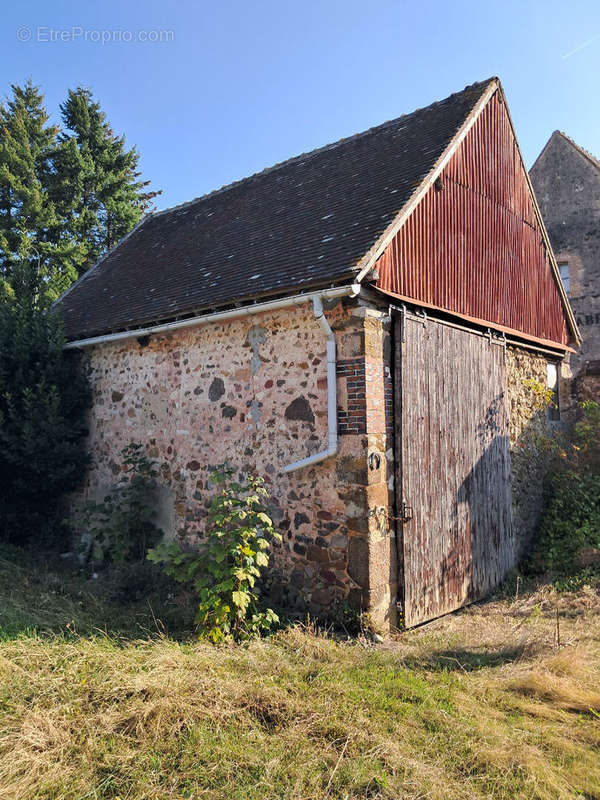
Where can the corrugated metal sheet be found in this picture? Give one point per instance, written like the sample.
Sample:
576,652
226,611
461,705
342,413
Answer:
473,246
453,467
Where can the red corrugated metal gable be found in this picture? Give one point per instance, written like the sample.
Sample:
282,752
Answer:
473,245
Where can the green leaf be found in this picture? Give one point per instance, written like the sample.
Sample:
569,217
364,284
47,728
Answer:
240,599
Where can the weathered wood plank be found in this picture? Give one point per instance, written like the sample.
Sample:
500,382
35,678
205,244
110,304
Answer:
453,467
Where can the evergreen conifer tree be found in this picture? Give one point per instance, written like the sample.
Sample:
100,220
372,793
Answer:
31,230
97,186
44,395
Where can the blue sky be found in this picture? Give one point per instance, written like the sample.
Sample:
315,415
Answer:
237,86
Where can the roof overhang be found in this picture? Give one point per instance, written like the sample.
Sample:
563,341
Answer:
545,344
368,262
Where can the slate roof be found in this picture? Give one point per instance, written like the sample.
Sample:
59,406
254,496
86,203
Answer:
304,223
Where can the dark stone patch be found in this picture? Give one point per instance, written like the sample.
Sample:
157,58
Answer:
358,561
319,554
330,526
297,578
228,412
300,519
299,409
358,524
275,511
328,575
340,540
323,597
351,470
355,598
116,397
300,549
216,390
194,466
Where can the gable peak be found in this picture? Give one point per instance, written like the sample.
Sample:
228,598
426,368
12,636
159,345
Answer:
585,153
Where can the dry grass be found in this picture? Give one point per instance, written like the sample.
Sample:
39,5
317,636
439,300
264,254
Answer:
482,704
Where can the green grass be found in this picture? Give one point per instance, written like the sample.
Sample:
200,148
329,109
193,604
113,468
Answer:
43,594
482,704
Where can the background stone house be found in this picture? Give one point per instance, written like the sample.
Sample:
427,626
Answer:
362,325
566,180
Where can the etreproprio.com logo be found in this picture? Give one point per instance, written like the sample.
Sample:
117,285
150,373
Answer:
77,33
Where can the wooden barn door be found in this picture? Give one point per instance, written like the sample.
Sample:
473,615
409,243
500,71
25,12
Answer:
453,467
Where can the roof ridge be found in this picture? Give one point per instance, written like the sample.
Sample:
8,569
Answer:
585,153
311,153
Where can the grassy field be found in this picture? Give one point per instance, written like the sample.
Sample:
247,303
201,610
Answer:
95,702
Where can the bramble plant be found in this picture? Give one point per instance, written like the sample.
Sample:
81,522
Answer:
570,528
121,527
224,572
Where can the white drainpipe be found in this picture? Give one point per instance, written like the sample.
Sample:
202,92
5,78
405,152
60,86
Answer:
332,438
246,311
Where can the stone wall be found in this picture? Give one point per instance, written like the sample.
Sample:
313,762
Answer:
253,392
586,387
567,187
528,427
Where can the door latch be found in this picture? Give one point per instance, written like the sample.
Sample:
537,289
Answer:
407,513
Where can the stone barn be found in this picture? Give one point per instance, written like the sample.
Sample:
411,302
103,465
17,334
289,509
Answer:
362,325
566,180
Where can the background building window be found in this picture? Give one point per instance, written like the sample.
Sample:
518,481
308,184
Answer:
564,274
552,383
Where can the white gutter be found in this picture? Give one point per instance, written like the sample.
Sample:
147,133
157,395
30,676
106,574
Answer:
332,438
204,319
259,308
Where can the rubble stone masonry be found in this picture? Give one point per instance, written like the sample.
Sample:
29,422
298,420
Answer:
529,428
253,392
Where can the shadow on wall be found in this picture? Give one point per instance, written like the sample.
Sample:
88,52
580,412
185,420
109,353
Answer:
530,453
495,514
484,502
504,513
